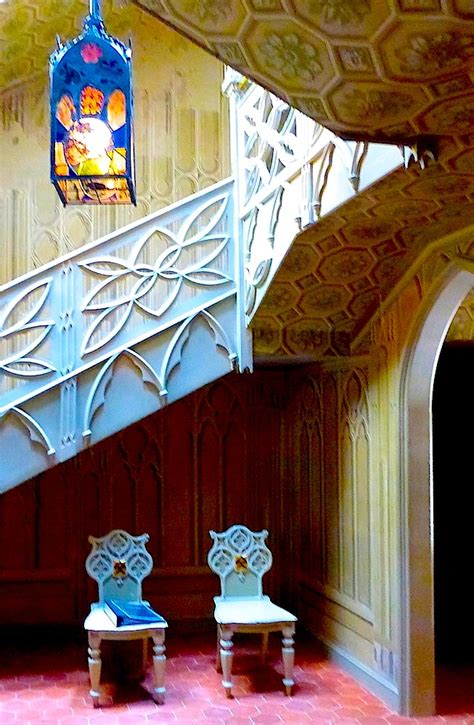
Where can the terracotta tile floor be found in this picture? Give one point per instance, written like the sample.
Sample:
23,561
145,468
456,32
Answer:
43,682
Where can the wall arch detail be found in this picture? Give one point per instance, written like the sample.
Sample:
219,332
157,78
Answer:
417,597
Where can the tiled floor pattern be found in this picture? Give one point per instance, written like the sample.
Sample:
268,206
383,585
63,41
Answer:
48,684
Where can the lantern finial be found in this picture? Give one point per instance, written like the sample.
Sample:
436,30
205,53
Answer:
94,18
94,8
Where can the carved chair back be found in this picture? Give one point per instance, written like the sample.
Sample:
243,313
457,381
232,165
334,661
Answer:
119,562
240,557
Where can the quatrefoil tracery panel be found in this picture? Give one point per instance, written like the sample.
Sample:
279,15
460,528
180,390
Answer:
238,543
173,266
118,545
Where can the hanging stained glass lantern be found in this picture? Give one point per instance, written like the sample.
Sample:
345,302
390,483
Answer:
91,117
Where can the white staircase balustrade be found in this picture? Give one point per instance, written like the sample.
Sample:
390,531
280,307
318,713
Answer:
111,332
290,171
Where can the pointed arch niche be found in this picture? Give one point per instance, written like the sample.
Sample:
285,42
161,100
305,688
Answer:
417,605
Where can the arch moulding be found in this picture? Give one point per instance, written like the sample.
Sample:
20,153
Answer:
417,596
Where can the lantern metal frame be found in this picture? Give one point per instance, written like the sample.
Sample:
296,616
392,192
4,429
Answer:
91,102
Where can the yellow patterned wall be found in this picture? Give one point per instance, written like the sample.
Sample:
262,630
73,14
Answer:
180,128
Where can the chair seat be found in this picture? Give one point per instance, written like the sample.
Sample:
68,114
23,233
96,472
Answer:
98,621
252,611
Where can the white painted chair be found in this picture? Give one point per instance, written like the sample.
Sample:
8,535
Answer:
119,562
240,557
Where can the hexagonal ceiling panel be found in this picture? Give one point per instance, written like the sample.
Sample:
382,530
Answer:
339,271
367,69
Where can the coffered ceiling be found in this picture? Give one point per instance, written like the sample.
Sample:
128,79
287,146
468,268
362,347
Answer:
384,69
339,271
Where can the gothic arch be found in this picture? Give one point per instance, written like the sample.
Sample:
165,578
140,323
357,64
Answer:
417,597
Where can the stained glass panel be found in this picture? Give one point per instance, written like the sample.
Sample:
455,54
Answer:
92,101
91,118
65,111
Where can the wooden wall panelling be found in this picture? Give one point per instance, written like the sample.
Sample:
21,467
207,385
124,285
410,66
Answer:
209,502
330,397
229,402
271,483
147,463
337,625
52,498
177,545
346,513
209,460
309,480
87,474
18,530
384,404
381,565
328,424
29,563
356,478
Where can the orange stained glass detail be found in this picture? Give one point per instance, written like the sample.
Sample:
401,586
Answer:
60,164
116,113
92,101
65,111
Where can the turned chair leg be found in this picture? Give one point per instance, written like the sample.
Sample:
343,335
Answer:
159,662
227,655
95,666
144,655
264,650
288,655
218,650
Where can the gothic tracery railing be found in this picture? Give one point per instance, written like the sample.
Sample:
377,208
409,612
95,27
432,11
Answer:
290,171
71,321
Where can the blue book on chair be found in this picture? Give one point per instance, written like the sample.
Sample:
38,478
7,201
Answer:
123,613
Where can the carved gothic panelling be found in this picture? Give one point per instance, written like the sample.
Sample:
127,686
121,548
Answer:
331,466
196,465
